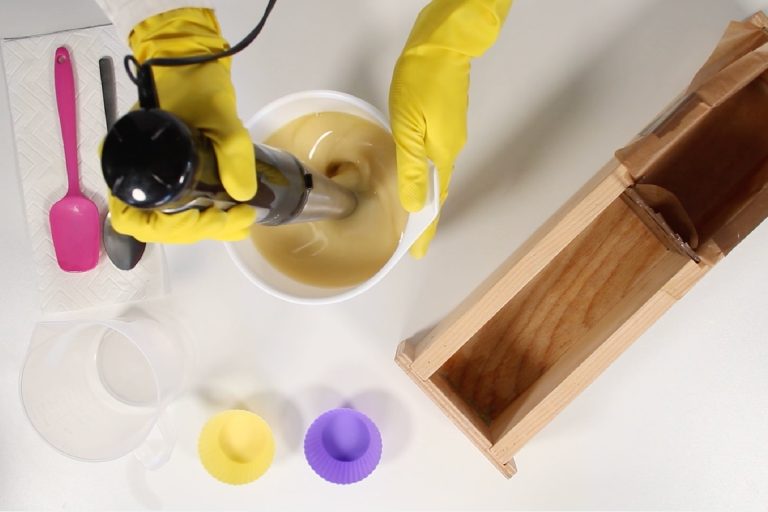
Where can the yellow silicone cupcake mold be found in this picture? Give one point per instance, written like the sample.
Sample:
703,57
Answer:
236,447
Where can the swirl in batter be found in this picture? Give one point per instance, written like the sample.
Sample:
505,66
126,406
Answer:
339,253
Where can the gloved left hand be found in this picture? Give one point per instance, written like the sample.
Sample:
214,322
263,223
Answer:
429,94
203,97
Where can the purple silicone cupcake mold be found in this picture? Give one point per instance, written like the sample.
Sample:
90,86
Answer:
343,446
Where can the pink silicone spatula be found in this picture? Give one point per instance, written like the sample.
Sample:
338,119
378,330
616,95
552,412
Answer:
74,219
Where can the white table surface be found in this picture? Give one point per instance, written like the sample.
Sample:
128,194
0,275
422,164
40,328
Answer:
679,421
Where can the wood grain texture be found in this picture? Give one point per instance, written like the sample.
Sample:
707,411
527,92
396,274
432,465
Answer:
556,311
518,430
576,369
440,344
453,407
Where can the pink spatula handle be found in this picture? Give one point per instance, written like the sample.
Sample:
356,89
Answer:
65,101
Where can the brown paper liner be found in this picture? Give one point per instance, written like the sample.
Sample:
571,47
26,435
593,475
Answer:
703,163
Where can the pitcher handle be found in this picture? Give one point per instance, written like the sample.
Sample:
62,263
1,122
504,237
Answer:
156,449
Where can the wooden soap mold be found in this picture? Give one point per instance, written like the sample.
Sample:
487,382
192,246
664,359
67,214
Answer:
546,382
597,274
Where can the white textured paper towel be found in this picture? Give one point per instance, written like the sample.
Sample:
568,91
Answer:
42,171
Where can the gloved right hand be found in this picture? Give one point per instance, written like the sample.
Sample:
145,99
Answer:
203,97
429,93
184,227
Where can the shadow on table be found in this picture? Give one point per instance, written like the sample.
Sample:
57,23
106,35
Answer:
559,116
278,410
389,414
136,476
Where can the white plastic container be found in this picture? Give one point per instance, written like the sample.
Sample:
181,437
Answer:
250,261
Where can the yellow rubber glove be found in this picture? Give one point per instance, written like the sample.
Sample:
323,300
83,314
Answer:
429,94
202,96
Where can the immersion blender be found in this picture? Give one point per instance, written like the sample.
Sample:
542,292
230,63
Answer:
151,159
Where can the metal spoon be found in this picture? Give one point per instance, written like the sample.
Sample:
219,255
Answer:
124,251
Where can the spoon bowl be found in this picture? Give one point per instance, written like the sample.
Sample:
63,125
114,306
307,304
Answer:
124,251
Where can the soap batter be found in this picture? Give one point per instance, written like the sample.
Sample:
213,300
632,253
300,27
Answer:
338,253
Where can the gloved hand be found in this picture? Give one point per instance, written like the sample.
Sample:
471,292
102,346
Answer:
429,92
202,96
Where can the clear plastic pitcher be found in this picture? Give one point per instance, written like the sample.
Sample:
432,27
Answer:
97,390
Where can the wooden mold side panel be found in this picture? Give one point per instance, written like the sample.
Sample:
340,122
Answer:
440,344
587,283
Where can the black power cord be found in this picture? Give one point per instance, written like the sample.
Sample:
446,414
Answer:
143,75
